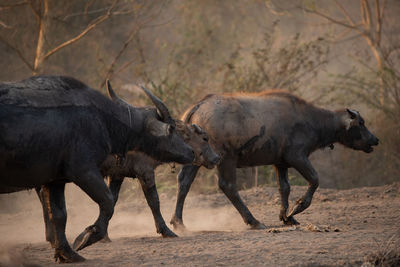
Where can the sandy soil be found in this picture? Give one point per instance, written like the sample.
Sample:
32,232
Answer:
340,228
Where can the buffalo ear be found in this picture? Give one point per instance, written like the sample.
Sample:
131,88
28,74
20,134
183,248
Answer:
353,114
158,128
349,118
197,129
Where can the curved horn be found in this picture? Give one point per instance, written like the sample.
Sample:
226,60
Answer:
111,92
159,104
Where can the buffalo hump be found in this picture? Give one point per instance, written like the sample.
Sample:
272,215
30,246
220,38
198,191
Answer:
42,92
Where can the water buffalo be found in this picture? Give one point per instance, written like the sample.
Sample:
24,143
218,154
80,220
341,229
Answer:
55,129
138,165
271,127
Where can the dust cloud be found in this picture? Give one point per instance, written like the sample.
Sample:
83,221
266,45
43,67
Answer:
21,221
22,218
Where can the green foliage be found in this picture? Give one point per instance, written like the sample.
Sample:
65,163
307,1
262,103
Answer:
292,66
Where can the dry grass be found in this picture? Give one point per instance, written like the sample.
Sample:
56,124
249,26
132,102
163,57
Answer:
388,255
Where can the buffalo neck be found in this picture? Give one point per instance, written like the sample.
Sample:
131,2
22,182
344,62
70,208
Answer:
327,126
124,126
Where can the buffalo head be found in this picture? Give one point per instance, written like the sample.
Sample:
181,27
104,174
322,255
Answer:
156,130
197,138
355,134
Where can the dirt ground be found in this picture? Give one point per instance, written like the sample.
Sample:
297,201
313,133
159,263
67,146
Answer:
342,227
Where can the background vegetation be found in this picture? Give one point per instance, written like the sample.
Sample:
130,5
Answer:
333,53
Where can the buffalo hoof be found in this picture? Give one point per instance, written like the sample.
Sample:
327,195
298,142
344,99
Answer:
106,239
91,235
258,226
67,255
166,233
290,221
178,224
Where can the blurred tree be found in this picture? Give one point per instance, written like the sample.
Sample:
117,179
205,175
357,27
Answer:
84,39
45,14
292,66
368,24
376,85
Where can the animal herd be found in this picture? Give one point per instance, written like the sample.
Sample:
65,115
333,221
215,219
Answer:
55,130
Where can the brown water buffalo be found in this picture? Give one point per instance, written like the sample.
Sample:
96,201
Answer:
141,166
271,127
55,129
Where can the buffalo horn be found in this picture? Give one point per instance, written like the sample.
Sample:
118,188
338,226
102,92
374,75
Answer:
159,105
111,92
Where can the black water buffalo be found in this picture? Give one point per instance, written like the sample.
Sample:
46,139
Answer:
55,129
139,165
271,127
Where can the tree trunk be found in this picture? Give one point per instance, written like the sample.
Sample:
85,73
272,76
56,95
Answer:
42,21
379,60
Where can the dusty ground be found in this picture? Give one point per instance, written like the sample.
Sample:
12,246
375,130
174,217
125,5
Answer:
340,228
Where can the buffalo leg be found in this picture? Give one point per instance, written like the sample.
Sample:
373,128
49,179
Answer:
114,184
185,179
284,190
304,167
53,202
92,183
227,183
48,229
150,192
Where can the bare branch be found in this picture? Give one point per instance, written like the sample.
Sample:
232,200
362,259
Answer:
367,99
273,9
37,13
85,12
124,66
4,25
95,11
341,36
87,6
378,30
14,5
16,50
366,14
334,20
40,42
392,50
383,8
345,13
121,51
141,53
343,40
83,33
